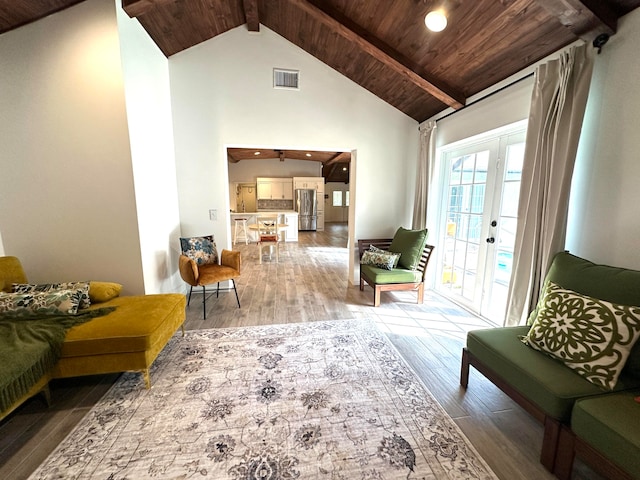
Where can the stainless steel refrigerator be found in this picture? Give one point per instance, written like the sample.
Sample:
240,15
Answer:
306,206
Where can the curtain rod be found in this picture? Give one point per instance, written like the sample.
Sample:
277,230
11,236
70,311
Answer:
486,96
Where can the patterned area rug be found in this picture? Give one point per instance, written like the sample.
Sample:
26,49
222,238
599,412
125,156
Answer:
324,400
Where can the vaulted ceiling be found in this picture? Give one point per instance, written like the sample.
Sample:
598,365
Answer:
382,45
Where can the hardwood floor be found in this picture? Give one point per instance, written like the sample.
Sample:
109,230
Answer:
310,284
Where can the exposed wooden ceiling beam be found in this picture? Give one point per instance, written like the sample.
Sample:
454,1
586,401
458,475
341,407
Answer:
340,157
586,18
136,8
251,14
452,100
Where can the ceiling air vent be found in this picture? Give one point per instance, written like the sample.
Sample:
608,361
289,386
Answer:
287,79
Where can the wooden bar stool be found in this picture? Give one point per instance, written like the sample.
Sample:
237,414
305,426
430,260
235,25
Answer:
241,233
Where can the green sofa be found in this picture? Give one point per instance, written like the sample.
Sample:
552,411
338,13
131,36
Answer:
553,393
128,337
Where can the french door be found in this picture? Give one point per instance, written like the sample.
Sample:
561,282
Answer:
479,217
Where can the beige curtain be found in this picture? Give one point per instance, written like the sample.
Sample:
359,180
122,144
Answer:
424,174
558,103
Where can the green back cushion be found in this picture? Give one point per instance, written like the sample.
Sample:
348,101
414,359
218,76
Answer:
409,244
613,284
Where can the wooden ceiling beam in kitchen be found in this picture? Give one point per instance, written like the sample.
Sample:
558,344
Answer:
341,157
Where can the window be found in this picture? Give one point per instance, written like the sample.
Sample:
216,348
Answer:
337,198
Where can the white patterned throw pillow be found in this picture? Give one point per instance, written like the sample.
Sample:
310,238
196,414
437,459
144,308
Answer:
593,337
382,259
85,301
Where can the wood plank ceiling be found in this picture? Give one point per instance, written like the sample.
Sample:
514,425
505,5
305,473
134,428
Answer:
335,165
382,45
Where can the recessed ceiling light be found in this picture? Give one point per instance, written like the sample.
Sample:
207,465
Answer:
256,153
344,169
308,154
436,21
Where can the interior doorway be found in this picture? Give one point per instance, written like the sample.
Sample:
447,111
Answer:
246,197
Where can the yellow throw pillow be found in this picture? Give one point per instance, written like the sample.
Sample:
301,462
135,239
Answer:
103,291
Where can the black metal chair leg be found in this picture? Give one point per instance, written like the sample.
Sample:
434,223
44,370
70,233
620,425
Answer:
218,290
204,303
235,290
189,299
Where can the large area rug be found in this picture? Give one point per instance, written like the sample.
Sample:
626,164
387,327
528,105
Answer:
325,400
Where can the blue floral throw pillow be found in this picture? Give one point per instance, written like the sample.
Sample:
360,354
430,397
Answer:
591,336
201,250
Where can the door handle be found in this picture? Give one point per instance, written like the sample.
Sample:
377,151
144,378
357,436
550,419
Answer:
491,240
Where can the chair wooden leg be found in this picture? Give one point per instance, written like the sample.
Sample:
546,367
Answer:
421,293
204,303
550,443
235,290
565,454
361,283
376,296
189,299
464,368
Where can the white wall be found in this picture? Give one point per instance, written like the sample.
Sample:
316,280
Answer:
222,95
67,207
148,97
604,224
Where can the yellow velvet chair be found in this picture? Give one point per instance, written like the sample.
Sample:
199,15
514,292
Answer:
200,266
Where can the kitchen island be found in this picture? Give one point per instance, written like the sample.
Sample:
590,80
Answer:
289,218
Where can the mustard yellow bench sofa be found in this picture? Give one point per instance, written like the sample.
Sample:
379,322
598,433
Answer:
128,337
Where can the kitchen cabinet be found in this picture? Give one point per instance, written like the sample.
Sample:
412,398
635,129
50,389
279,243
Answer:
315,183
320,221
275,188
291,231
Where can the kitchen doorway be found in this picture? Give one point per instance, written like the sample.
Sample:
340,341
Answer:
246,197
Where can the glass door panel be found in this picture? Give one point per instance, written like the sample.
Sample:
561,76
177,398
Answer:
480,218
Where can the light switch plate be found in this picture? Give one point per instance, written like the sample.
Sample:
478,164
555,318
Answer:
213,215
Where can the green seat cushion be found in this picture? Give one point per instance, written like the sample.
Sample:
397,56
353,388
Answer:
546,382
409,244
397,275
609,423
